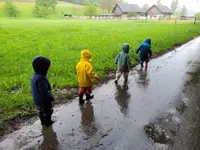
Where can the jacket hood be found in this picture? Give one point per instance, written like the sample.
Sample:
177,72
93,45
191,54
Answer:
41,65
148,41
125,48
85,55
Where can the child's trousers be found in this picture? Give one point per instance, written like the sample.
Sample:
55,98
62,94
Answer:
119,74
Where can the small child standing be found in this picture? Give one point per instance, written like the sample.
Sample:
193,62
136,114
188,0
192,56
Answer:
145,52
86,76
123,63
41,89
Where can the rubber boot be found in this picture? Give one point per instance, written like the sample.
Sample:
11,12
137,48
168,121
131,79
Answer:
81,101
42,120
125,81
89,97
146,66
141,63
48,121
116,82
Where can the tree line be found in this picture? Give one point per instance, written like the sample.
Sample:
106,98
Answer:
42,8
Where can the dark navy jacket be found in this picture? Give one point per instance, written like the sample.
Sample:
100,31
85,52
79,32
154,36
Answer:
40,86
145,50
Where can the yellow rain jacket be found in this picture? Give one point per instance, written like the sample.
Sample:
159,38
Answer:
85,71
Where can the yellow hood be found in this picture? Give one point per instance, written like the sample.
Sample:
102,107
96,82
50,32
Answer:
85,55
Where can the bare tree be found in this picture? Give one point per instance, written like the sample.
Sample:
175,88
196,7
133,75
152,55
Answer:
183,11
174,6
145,7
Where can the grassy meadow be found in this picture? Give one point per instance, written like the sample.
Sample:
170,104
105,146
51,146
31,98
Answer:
62,41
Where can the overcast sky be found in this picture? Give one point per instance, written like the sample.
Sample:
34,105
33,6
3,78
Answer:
190,4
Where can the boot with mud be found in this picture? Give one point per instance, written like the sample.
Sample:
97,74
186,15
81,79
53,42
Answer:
81,101
89,97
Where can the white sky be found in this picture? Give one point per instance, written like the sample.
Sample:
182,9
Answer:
190,4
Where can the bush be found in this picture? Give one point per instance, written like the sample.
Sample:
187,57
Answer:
10,9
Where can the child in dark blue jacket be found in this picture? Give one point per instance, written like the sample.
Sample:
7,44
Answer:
41,89
145,52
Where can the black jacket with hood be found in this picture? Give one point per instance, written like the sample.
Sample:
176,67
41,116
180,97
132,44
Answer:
40,86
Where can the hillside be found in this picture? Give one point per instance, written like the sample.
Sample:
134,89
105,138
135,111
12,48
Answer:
25,7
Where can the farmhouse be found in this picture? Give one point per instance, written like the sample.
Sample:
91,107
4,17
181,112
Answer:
122,10
159,11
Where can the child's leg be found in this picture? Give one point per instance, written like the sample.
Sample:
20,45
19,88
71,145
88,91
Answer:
126,77
48,111
88,92
141,63
118,75
41,115
146,65
81,93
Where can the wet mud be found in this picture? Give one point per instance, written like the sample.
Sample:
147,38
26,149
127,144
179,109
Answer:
157,109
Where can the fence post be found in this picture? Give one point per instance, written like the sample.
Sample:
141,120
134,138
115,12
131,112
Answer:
195,19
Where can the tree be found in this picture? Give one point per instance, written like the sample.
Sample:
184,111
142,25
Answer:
197,15
108,4
145,7
90,11
42,8
87,2
174,6
159,2
10,9
183,11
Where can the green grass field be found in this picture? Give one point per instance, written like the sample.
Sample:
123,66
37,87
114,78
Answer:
62,41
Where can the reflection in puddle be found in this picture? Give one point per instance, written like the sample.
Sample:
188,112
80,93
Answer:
122,96
143,78
50,139
88,119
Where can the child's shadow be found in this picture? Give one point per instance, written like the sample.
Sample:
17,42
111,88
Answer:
50,139
122,96
88,119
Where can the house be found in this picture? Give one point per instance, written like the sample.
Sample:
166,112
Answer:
159,11
104,16
122,10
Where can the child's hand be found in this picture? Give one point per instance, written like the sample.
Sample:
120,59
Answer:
97,77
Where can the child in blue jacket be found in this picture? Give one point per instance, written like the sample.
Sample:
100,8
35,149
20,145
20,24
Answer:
145,52
41,89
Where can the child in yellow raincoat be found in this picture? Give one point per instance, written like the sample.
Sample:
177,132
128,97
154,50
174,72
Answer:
86,76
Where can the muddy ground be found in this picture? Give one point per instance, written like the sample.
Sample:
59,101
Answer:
158,109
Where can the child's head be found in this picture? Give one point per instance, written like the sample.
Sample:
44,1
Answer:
86,55
148,41
125,48
41,65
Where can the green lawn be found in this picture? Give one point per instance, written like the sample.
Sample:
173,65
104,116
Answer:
62,41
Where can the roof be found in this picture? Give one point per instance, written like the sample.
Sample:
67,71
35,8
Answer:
129,8
164,9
